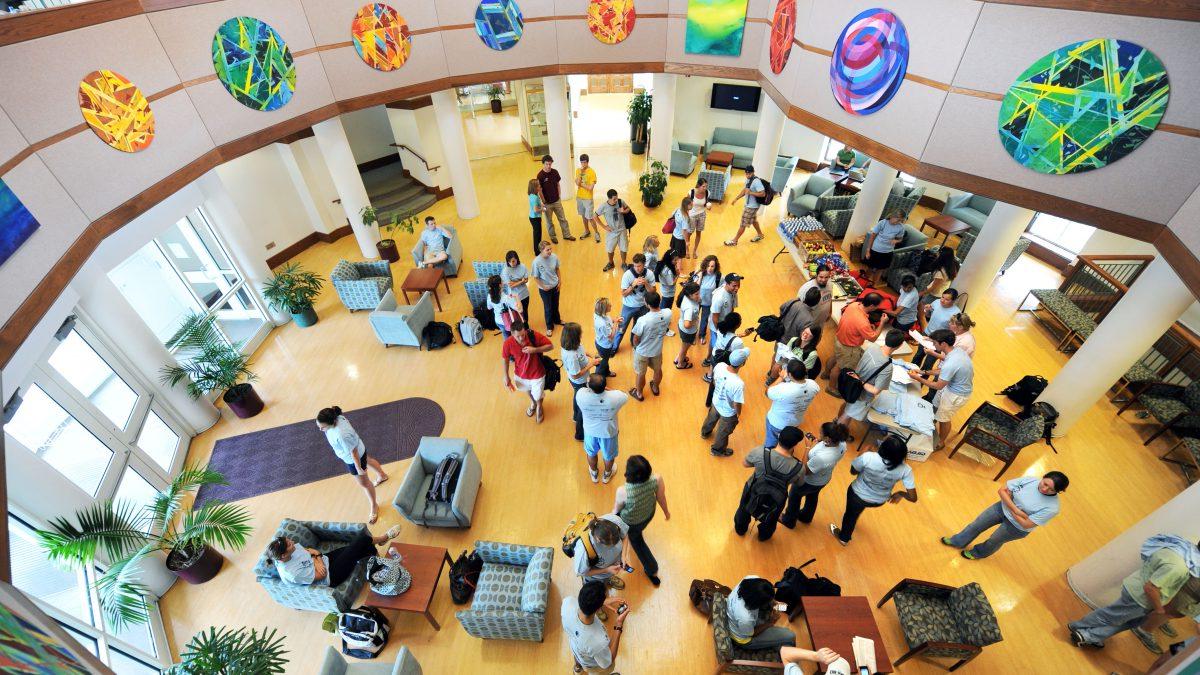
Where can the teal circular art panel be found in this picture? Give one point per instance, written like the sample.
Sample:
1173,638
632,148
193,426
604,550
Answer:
499,23
1083,106
254,63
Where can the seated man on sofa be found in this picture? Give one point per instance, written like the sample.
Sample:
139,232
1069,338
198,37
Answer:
844,160
434,237
307,567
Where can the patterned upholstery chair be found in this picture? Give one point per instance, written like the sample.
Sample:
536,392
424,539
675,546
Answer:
396,324
1013,255
483,269
999,433
1191,448
943,621
965,241
361,285
1076,323
731,658
324,537
907,262
410,498
836,211
476,293
902,198
336,664
803,197
454,250
512,593
1176,407
718,181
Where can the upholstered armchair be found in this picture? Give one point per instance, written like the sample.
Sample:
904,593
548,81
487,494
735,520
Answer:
410,498
907,262
784,167
902,198
683,157
942,621
397,324
731,657
336,664
802,198
454,251
999,433
323,537
361,285
1021,246
1176,407
512,593
476,293
965,241
718,181
836,212
484,269
969,208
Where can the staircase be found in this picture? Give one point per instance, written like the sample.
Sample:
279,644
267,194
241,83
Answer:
391,192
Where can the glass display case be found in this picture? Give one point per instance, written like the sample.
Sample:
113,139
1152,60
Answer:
535,120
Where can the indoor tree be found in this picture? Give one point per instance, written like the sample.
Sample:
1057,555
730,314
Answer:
405,221
226,651
653,183
208,362
638,114
293,289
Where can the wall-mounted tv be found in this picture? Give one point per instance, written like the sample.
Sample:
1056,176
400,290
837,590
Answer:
735,97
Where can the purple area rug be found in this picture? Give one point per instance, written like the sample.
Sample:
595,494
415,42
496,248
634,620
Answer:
295,454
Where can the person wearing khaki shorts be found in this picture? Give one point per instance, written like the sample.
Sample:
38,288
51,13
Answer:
953,382
585,182
648,334
612,214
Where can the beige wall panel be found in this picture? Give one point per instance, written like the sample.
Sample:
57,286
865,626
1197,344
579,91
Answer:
61,222
187,32
785,81
752,39
11,140
1028,33
40,78
329,20
462,12
1186,225
100,178
1150,183
228,120
466,53
576,44
579,7
350,77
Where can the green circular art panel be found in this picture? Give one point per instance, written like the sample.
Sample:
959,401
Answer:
254,63
1083,106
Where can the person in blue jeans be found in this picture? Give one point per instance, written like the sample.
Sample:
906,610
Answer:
634,283
1025,503
708,276
607,338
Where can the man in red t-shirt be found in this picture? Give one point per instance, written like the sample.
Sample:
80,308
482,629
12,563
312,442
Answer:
854,328
524,348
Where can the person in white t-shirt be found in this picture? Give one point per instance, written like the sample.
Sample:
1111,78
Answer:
689,323
310,567
649,331
729,394
350,449
599,407
831,661
593,648
819,463
877,473
789,401
433,239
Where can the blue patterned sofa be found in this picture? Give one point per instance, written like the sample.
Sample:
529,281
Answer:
943,621
323,537
514,589
361,285
454,251
484,269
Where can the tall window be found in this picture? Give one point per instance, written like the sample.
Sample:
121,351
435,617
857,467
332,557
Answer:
830,149
1066,236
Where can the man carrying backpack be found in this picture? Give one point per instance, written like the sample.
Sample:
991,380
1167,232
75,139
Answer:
602,553
755,193
524,348
765,493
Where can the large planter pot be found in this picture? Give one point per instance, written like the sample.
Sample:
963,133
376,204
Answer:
387,250
305,318
496,107
637,147
243,400
199,569
651,201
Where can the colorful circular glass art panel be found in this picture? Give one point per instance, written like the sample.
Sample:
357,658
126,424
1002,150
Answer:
116,110
1083,106
869,62
254,63
611,21
783,30
381,37
499,23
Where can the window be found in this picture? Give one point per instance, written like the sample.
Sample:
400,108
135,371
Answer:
36,576
830,150
1062,234
55,435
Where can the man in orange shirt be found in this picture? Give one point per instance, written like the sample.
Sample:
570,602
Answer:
853,330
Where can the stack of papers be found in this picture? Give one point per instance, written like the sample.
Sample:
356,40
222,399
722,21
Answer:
864,655
922,340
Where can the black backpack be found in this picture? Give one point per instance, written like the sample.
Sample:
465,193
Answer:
445,479
926,261
1026,390
1049,413
486,318
464,577
437,334
768,194
553,372
795,584
851,387
767,494
771,327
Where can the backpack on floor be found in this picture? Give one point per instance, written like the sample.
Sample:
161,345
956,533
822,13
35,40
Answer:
1026,390
470,331
851,387
387,575
464,576
701,593
1049,413
444,481
364,632
795,584
486,318
768,493
437,334
577,530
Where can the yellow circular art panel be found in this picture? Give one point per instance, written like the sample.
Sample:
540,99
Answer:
611,21
116,110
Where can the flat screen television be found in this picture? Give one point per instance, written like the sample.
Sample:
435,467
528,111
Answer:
735,97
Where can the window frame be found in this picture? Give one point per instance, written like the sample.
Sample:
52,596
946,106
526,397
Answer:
1055,244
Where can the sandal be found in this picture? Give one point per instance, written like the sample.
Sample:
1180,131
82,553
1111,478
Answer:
758,238
393,532
538,419
654,389
374,517
637,394
379,482
685,366
532,408
731,243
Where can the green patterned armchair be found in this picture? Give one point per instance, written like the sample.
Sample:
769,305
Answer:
999,433
731,658
942,621
316,598
1176,407
836,211
512,593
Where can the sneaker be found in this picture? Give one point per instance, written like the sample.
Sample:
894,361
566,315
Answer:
946,541
1078,640
1168,631
758,238
1147,641
595,475
725,452
597,237
707,378
607,477
570,238
608,268
707,362
670,333
837,534
968,555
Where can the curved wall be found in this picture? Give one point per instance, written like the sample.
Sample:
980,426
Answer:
940,125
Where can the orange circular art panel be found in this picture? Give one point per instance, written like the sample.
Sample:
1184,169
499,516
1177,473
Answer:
116,110
381,37
783,29
611,21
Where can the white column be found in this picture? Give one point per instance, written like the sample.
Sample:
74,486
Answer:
871,198
120,323
307,203
331,138
558,128
997,237
770,134
454,146
1153,303
662,117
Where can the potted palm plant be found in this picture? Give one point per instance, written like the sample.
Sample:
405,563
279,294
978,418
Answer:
209,363
653,183
638,114
127,534
293,289
223,650
494,92
398,221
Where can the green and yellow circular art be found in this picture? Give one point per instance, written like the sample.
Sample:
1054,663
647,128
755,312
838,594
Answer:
1083,106
254,63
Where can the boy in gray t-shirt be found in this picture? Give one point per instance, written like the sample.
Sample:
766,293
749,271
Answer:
608,538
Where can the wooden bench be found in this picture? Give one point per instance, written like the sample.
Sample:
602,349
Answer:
1076,324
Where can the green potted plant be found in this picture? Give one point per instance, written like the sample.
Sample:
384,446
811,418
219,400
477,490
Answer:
638,114
209,363
293,289
494,92
128,534
222,651
653,183
398,221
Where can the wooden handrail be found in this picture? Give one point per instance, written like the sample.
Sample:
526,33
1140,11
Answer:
1088,260
414,153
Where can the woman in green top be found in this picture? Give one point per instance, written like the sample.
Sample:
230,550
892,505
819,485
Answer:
845,159
635,505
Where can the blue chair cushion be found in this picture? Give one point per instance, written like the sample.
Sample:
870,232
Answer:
499,587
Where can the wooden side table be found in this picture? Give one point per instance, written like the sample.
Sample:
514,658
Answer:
947,225
718,158
425,564
424,279
834,622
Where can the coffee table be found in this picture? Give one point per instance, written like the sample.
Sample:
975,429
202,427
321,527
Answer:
947,225
718,158
424,279
425,563
844,183
834,622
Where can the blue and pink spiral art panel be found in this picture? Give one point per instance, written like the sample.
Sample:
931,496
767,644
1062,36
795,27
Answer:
869,62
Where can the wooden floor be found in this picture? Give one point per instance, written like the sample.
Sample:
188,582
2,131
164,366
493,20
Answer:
535,478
